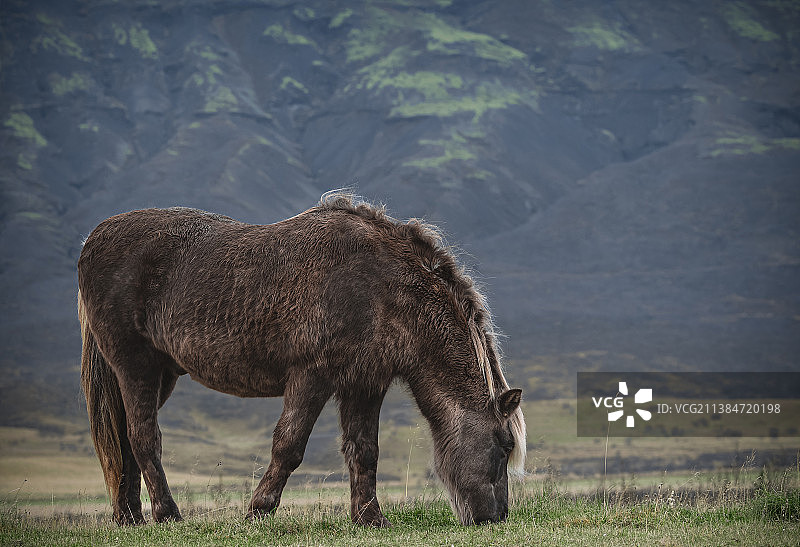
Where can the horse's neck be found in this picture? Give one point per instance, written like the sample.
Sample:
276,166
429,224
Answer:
443,401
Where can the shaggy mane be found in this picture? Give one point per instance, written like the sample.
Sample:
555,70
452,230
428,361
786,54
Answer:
436,256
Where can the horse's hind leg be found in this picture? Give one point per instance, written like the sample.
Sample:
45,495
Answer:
359,415
129,503
145,382
303,400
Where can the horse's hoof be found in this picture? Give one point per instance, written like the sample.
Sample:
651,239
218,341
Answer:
257,514
169,518
383,522
375,521
167,512
127,519
262,506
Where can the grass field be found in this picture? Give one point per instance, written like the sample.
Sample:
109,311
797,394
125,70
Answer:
542,514
739,506
679,491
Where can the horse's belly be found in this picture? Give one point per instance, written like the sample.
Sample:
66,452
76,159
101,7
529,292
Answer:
235,379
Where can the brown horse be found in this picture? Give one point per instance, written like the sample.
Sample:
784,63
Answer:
336,301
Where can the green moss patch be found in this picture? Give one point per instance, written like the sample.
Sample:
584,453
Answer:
280,34
457,147
742,145
63,86
741,20
138,38
440,37
603,36
432,93
223,99
388,72
23,128
482,98
53,38
447,39
290,83
339,19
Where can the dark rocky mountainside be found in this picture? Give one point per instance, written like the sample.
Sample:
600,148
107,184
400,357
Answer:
624,175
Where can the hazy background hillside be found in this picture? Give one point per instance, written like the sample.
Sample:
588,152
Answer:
623,175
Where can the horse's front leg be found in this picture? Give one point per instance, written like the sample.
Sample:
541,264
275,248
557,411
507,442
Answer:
359,415
303,400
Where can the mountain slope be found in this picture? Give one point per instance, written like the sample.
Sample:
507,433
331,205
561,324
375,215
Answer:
622,174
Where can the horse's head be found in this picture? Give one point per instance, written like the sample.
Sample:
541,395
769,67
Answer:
473,458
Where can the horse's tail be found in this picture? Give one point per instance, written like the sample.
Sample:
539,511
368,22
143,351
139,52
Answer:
104,405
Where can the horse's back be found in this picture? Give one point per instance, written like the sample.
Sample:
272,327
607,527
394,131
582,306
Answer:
126,231
191,251
234,304
127,253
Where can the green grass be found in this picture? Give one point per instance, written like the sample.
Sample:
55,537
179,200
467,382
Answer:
55,496
52,492
543,515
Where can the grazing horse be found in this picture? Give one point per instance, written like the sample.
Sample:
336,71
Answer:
337,301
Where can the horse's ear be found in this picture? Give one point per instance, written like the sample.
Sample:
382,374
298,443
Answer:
508,402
